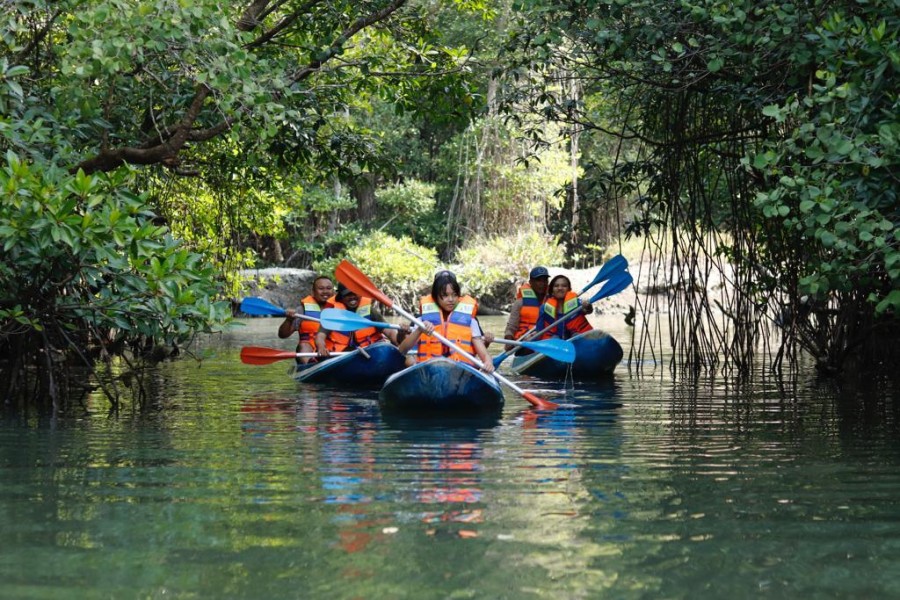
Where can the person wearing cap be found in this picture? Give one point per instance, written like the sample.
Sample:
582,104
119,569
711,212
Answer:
322,297
452,315
338,341
524,312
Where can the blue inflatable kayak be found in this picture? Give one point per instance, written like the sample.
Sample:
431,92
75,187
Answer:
362,367
596,355
441,385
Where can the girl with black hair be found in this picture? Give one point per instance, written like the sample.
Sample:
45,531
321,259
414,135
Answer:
451,314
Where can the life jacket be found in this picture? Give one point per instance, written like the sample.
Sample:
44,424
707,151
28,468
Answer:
530,311
550,313
457,328
311,308
338,341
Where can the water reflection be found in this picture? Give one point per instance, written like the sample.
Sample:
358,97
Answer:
250,486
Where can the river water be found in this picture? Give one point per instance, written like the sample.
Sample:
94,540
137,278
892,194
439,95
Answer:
240,483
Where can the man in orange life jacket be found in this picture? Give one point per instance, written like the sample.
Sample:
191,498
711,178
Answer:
523,314
338,341
448,312
311,306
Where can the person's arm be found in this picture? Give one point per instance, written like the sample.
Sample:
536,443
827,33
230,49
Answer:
587,307
290,324
481,352
413,337
390,334
480,347
512,323
486,335
321,350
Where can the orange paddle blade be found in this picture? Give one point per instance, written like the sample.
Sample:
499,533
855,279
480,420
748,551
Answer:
538,402
257,355
361,285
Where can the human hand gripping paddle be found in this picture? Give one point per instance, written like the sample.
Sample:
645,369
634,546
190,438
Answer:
355,280
617,264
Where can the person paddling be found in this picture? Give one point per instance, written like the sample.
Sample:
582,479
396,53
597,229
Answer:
563,301
322,297
453,315
524,312
337,341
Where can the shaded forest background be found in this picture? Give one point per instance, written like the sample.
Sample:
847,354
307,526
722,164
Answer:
153,149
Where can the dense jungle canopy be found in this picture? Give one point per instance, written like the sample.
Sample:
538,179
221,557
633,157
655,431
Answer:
153,148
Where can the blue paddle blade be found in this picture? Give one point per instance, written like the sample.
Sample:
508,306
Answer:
555,348
498,360
615,285
335,319
615,265
258,306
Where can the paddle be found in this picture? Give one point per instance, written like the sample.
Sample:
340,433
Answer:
555,348
336,319
610,268
257,355
614,285
614,265
355,280
260,307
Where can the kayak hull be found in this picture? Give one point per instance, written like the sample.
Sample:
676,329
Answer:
441,386
354,368
596,355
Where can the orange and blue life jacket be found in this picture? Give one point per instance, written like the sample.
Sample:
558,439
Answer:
338,341
311,308
530,311
550,313
457,328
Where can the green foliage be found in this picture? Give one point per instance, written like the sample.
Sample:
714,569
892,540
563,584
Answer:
807,92
399,267
834,175
486,262
84,261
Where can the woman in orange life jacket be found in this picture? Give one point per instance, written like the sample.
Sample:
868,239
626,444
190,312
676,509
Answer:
448,312
311,306
338,341
563,301
523,314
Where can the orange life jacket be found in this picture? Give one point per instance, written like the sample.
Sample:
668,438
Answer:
338,341
530,311
457,328
311,308
550,313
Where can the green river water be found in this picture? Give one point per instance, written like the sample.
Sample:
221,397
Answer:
241,483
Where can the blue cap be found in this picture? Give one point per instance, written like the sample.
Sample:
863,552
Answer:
538,272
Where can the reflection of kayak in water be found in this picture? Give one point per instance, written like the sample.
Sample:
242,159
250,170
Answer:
441,385
596,354
361,367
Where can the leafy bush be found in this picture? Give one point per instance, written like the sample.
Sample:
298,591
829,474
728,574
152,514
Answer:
400,268
84,265
486,262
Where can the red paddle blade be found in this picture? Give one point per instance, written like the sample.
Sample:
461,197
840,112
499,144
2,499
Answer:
538,402
257,355
361,285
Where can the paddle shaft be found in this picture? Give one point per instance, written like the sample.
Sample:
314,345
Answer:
255,355
477,362
531,334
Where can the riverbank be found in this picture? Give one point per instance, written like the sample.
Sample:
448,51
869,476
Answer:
653,282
